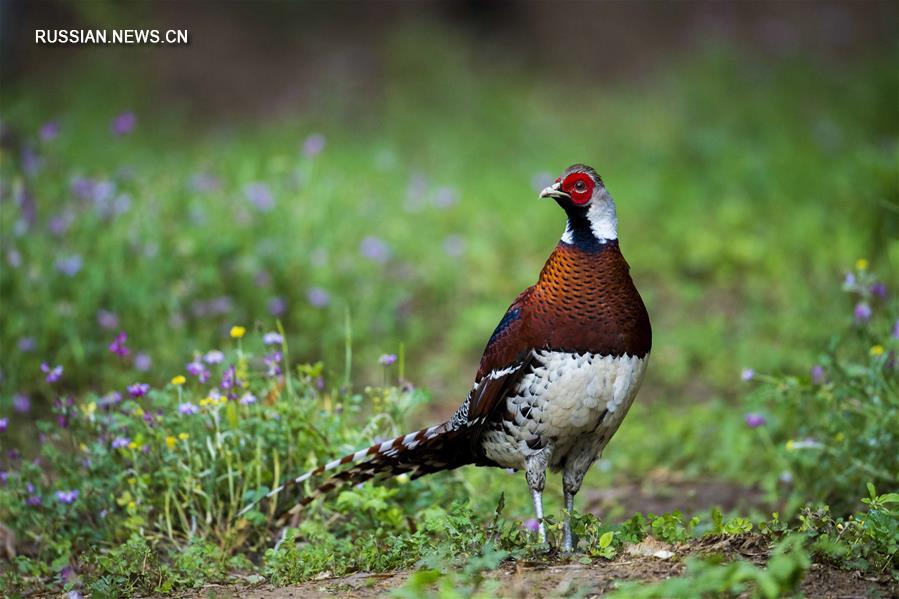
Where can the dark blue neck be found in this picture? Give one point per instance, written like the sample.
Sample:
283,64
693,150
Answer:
582,236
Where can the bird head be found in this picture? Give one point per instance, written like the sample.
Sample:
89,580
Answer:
590,208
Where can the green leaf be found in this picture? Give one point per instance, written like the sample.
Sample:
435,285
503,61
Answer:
606,539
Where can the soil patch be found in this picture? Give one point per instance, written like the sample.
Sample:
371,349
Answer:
560,578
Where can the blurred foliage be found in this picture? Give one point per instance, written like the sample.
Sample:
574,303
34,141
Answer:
743,188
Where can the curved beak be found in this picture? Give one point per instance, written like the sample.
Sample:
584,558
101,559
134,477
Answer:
554,191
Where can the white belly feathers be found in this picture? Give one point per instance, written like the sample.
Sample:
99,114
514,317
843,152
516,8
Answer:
566,397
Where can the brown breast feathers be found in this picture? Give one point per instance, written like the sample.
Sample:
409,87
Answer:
584,301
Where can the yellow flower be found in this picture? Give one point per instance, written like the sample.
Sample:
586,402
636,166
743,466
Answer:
183,436
82,447
139,412
179,380
131,506
876,350
790,445
237,331
89,409
170,441
861,264
133,445
132,481
205,402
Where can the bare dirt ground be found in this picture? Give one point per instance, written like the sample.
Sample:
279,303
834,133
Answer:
561,578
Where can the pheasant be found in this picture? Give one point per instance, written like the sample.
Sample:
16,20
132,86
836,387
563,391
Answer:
558,374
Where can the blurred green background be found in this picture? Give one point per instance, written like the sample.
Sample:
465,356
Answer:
382,161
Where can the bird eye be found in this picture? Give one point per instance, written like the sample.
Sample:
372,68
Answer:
580,186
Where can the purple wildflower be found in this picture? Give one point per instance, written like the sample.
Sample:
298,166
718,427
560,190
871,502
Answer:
21,403
229,380
110,399
273,362
260,196
187,409
896,330
107,319
27,344
862,312
454,246
387,359
138,390
106,203
879,289
120,442
214,357
247,399
33,501
318,297
82,188
849,282
532,525
314,145
4,424
754,420
60,223
213,307
375,249
817,373
747,374
67,497
53,374
143,362
445,197
263,278
277,306
273,339
195,368
415,192
69,265
124,123
118,345
14,257
49,131
4,477
31,161
205,182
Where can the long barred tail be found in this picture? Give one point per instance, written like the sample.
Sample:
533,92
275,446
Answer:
419,453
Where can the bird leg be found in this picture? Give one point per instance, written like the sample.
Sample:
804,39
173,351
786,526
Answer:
575,469
566,524
537,496
535,472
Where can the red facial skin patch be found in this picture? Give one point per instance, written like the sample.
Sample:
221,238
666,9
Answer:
579,186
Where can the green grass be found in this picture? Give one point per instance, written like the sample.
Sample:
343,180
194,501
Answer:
745,191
